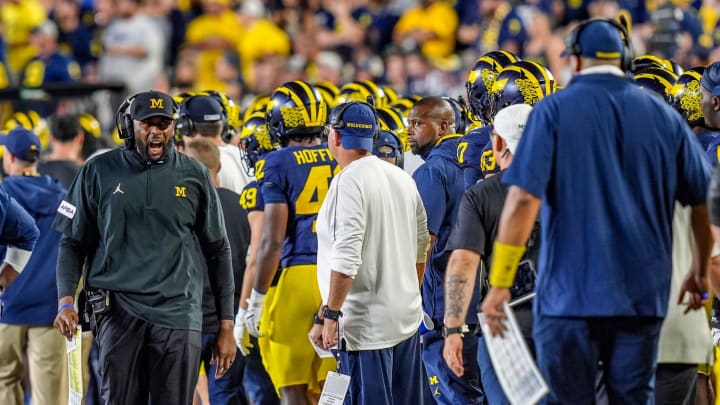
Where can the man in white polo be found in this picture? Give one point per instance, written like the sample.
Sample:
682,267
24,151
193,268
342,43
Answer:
372,236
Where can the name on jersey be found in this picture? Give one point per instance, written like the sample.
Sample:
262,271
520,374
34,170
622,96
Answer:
306,156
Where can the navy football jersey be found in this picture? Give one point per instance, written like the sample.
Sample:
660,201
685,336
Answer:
299,177
473,156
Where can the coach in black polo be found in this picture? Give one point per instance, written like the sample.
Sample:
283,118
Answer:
132,213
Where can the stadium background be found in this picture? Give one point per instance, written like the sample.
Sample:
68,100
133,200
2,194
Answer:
248,48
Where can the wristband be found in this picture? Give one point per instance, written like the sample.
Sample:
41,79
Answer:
328,313
63,306
506,259
317,320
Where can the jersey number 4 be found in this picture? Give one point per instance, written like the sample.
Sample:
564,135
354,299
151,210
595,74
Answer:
314,190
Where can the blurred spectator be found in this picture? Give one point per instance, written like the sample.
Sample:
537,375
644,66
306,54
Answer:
266,71
66,143
395,74
497,26
48,67
430,26
341,26
17,19
134,48
74,37
185,71
328,67
213,33
173,23
382,22
262,37
228,71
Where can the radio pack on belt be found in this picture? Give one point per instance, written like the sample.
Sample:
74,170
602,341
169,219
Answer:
98,300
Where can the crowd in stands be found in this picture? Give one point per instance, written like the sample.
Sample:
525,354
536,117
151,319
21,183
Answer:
250,47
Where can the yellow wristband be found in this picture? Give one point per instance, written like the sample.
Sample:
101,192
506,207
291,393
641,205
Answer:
505,261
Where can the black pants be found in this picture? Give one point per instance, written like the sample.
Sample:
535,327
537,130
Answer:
675,383
141,362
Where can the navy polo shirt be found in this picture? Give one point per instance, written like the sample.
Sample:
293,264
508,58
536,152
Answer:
608,160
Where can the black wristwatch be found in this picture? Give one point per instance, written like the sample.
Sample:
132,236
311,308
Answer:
461,330
317,320
328,313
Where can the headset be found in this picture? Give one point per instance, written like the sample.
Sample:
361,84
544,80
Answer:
337,122
185,126
627,55
124,121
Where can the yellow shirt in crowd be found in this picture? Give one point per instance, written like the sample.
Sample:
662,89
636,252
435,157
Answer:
18,20
441,19
205,27
261,38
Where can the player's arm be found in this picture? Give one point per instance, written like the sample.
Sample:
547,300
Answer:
255,219
273,235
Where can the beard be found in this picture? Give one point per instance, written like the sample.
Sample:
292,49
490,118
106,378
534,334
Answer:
143,148
420,150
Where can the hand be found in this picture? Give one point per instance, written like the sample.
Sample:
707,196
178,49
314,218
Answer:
8,276
452,353
254,312
241,340
492,307
316,334
329,334
696,288
224,350
66,320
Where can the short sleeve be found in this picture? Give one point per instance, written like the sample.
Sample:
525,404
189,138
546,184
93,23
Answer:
533,162
272,181
428,180
693,170
468,232
251,198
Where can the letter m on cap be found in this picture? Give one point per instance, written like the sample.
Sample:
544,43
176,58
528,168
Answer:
156,103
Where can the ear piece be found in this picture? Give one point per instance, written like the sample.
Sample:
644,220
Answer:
123,119
628,53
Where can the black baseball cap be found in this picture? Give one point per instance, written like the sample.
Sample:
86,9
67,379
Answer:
152,104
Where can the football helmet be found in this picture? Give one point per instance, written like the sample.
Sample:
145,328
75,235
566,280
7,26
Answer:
686,96
392,121
659,80
254,141
462,114
31,120
524,82
389,140
481,78
295,110
359,90
329,93
403,105
643,62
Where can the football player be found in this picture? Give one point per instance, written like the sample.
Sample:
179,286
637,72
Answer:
471,146
293,183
